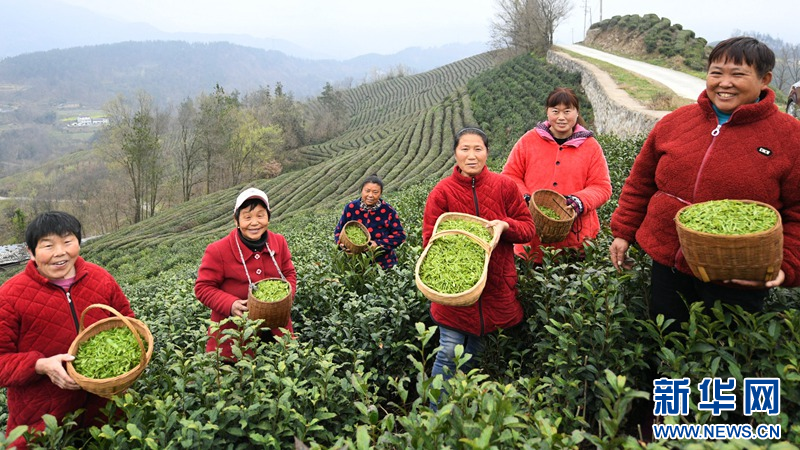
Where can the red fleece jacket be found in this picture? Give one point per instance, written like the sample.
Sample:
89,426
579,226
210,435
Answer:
36,321
688,158
578,167
221,279
497,198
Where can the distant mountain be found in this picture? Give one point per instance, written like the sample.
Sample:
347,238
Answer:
174,70
28,26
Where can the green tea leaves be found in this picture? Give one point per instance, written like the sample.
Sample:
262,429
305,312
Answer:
728,217
271,290
108,354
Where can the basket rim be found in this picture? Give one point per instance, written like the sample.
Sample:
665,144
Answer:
291,294
778,223
78,377
425,252
533,203
343,239
465,216
88,384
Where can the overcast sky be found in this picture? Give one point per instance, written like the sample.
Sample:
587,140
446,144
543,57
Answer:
348,28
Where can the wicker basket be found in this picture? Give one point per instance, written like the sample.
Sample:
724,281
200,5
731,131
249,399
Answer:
274,314
551,230
108,387
714,257
353,248
468,217
465,298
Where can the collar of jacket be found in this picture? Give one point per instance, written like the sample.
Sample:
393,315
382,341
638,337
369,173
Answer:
579,134
744,114
467,181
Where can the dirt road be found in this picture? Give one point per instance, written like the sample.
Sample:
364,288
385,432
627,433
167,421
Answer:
682,84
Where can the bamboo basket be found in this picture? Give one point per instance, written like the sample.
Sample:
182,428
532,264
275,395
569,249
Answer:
109,387
551,230
349,245
468,217
714,257
274,314
465,298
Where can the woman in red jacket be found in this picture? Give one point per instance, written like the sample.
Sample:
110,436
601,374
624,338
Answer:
560,154
733,143
473,189
249,253
39,313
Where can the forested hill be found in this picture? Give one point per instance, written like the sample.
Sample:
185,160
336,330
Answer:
174,70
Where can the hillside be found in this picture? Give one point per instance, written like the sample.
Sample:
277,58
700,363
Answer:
174,70
356,374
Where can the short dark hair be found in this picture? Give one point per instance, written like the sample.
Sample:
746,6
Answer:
249,205
471,130
744,49
51,222
375,179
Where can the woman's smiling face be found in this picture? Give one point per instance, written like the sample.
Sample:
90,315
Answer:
253,222
56,255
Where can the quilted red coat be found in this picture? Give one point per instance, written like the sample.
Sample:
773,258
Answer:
688,158
490,196
37,320
221,279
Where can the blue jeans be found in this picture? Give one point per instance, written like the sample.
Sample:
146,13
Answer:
448,339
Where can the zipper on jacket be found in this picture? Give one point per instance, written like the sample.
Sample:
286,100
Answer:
74,314
714,134
478,213
475,198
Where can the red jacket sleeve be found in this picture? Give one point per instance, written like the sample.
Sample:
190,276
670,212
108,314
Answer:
284,258
598,182
210,276
435,206
520,222
516,166
639,187
16,369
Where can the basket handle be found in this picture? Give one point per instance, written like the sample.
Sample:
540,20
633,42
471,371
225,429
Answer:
124,320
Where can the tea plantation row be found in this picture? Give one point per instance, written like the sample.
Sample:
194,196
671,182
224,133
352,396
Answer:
356,376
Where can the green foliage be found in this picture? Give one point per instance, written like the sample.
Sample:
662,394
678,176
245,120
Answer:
661,38
509,100
573,374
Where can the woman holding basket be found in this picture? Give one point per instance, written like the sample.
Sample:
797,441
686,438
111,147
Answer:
39,318
380,219
473,189
560,154
231,265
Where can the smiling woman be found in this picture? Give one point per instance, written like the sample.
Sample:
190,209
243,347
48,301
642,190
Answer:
232,265
39,310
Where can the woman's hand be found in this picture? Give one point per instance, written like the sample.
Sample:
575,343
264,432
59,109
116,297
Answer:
503,225
345,249
53,367
619,254
761,284
238,308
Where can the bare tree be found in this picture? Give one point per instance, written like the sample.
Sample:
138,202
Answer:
133,140
186,147
528,25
